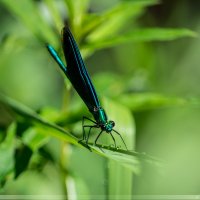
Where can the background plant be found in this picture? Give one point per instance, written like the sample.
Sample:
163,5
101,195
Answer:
116,37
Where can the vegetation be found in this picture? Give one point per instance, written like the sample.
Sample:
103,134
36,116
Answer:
141,71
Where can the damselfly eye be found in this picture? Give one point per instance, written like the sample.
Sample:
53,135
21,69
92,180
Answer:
112,123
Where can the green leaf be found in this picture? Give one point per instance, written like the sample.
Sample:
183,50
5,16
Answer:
128,159
41,123
125,158
125,125
141,35
29,14
55,14
22,157
77,11
113,20
116,170
80,187
7,153
147,101
34,139
10,45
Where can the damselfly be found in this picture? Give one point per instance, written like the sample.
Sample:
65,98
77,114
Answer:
77,74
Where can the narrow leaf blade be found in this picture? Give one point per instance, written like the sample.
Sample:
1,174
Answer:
142,35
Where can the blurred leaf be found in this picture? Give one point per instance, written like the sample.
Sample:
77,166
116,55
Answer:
56,15
11,44
80,188
125,125
125,158
113,20
11,40
31,115
2,134
119,174
29,14
7,153
146,101
22,157
34,139
77,11
131,159
107,84
141,35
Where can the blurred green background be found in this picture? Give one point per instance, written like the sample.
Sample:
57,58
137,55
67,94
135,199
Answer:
154,78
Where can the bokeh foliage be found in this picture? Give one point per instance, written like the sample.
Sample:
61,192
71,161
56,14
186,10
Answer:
142,81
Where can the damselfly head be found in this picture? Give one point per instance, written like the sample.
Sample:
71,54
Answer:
108,127
112,123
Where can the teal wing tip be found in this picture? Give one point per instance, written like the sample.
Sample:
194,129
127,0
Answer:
52,51
56,57
50,48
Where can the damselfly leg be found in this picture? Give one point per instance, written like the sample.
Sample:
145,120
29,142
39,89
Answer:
113,139
85,137
121,138
98,137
